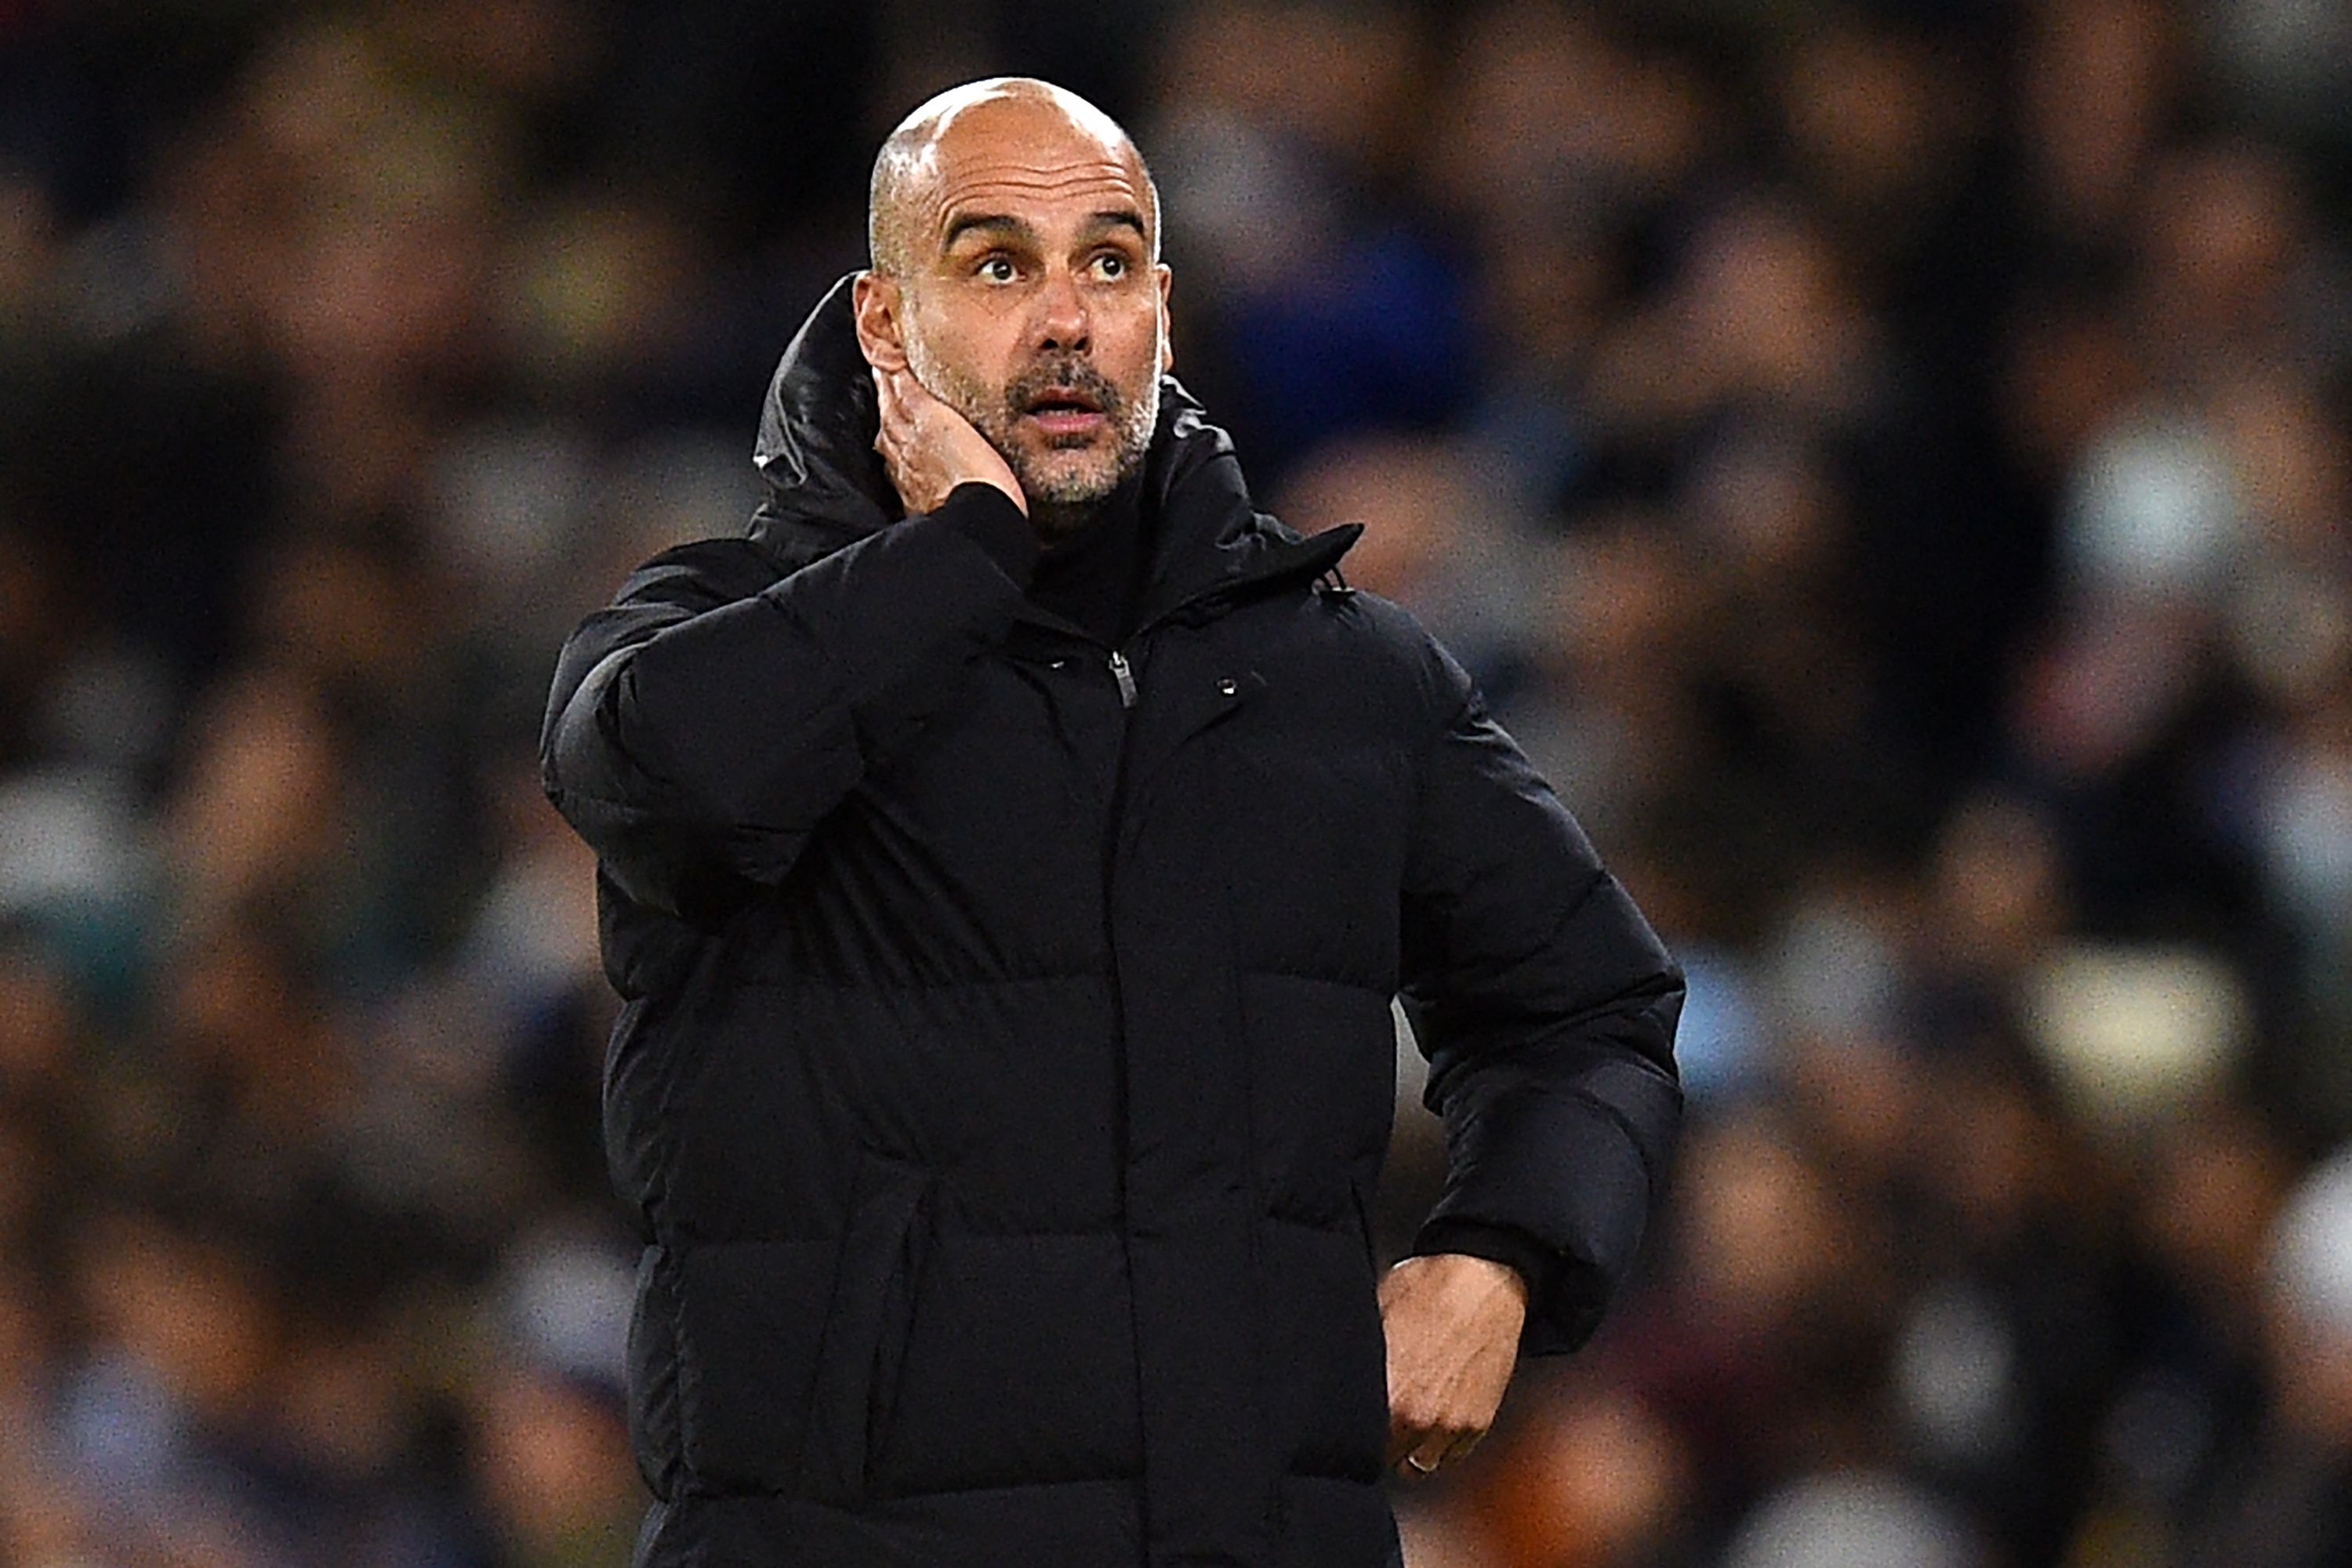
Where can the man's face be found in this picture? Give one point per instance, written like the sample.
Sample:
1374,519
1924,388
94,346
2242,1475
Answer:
1032,305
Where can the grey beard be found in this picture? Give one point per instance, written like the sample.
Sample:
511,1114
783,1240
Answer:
1059,508
1059,503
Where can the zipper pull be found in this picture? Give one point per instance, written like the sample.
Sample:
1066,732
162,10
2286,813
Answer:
1124,673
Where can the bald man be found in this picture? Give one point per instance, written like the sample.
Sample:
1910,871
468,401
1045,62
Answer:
1009,851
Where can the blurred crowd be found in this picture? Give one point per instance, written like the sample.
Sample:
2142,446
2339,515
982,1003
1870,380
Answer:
1890,463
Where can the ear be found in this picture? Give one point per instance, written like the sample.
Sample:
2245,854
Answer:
1166,337
876,302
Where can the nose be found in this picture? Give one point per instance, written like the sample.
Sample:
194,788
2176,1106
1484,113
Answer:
1061,322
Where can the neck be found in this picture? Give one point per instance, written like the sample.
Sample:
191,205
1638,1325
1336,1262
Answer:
1057,520
1094,573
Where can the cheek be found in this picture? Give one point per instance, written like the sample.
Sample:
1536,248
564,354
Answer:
963,343
1134,354
951,376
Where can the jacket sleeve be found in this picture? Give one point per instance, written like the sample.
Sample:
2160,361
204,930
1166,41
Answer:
1547,1006
703,724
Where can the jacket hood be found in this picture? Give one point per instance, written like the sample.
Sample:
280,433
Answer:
827,485
816,451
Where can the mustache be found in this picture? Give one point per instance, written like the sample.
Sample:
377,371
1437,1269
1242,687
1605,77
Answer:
1060,374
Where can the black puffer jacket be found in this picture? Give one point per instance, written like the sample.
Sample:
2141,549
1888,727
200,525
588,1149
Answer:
1006,1058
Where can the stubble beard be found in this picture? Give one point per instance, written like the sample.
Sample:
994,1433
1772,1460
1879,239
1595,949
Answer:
1070,478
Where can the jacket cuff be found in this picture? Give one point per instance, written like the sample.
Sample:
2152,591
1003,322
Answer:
1535,1262
1566,1299
987,516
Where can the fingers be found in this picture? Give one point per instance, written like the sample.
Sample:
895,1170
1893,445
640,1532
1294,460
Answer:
1430,1429
885,411
896,438
911,395
1414,1452
903,402
890,404
928,448
1432,1453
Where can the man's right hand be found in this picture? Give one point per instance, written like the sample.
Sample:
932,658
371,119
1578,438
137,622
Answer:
928,448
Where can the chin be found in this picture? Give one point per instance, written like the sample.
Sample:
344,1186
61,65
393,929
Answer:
1069,495
1067,485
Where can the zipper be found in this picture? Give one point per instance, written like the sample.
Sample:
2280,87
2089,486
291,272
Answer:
1123,1135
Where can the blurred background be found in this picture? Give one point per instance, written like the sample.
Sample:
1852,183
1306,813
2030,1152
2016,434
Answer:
1889,462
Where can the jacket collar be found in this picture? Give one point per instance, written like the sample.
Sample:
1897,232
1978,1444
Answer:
827,486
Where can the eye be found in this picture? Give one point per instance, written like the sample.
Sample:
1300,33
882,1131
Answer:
1111,263
997,269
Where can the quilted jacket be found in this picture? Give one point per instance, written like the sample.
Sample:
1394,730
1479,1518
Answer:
1006,1056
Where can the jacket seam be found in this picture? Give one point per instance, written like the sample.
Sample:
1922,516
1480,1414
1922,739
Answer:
897,986
1278,972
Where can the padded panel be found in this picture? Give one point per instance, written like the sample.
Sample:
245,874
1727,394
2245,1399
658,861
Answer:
751,1318
1314,830
1337,1524
1086,1524
1327,1360
653,1371
786,1349
1322,1093
1011,1086
1019,1365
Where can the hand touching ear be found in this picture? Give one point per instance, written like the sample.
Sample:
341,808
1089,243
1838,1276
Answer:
929,449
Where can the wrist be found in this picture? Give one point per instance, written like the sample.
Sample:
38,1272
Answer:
1523,1255
984,514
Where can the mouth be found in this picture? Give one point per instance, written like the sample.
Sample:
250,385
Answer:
1066,411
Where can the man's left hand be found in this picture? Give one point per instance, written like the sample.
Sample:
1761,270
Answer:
1452,1324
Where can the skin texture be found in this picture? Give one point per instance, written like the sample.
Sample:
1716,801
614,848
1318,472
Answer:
929,449
1452,1324
1016,238
967,324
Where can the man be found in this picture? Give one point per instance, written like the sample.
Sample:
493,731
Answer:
1009,853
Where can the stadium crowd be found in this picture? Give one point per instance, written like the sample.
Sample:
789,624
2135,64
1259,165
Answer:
1890,462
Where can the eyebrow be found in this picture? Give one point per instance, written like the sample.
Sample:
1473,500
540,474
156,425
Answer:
1127,218
1011,227
992,223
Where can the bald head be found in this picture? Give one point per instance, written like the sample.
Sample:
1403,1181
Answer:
1017,278
903,200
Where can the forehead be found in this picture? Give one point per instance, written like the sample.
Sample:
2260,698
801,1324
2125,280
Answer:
1029,161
